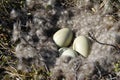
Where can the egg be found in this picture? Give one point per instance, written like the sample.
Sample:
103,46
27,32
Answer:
63,37
61,50
82,45
69,53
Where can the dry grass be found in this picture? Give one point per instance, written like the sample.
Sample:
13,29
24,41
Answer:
35,26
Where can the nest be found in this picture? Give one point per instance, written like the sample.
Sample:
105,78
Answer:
94,19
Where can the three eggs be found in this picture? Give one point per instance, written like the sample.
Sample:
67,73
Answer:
81,44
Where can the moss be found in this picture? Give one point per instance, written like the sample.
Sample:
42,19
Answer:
117,66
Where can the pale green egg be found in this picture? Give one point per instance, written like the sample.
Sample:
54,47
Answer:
61,50
82,45
69,53
63,37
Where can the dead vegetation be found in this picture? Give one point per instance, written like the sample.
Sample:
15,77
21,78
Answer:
27,51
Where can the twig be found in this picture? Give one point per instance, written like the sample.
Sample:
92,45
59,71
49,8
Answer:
93,37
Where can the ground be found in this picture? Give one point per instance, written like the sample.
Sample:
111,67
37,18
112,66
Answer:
27,49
